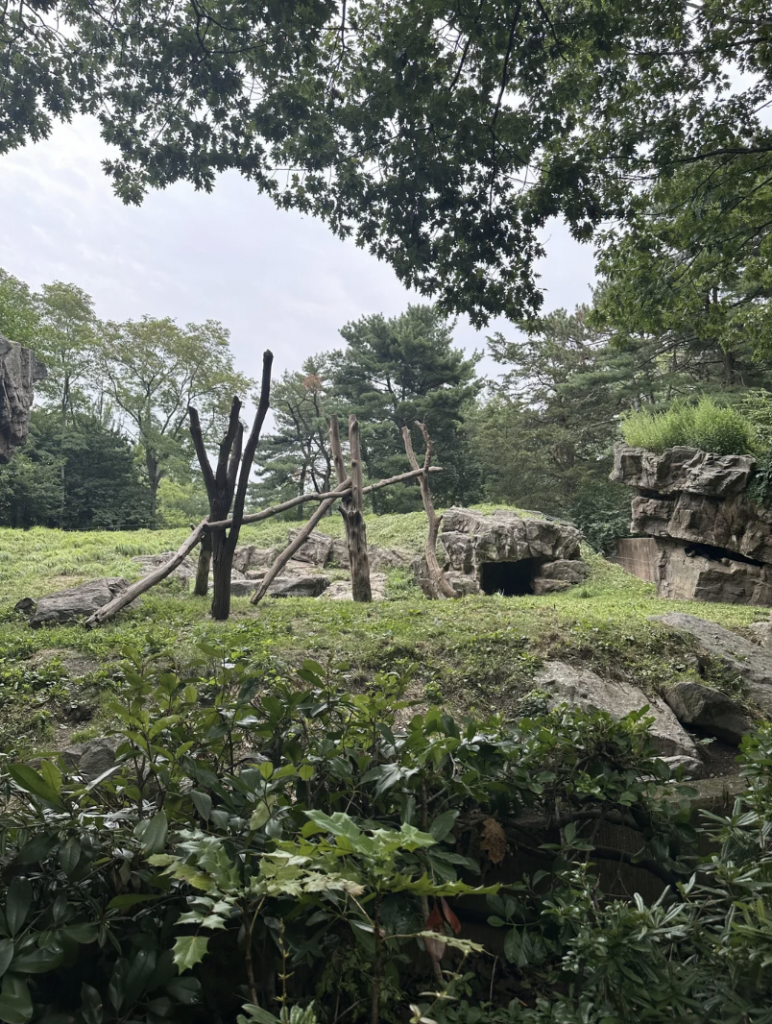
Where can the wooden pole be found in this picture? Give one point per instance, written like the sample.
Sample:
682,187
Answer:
297,543
300,499
439,582
107,611
356,531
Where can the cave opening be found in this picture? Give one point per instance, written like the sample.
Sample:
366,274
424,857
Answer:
512,579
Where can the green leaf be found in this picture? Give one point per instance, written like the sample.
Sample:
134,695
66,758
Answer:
306,772
90,1005
202,802
17,903
442,825
189,950
52,776
39,961
266,769
153,832
257,1015
130,900
15,1001
30,781
184,990
339,824
6,954
36,849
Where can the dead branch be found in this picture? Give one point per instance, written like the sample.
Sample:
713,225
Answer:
439,582
297,543
107,611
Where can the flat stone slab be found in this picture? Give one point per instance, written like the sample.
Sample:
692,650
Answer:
584,689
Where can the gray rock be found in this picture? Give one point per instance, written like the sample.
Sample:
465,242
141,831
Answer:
683,469
71,604
341,589
339,553
693,768
19,370
311,585
184,572
562,574
242,587
317,549
387,558
96,757
684,574
250,557
464,586
744,659
470,538
709,710
584,689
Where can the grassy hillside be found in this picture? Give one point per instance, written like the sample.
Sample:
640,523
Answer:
479,653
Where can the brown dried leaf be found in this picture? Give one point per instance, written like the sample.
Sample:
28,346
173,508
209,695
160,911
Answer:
493,841
449,916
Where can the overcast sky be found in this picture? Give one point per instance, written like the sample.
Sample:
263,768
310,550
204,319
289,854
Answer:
275,279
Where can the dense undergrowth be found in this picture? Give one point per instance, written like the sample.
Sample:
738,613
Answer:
271,846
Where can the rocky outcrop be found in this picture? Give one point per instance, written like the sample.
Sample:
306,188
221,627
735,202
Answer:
73,603
184,572
504,553
581,688
709,711
19,370
341,589
713,543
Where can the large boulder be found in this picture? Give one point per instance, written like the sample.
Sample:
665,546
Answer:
341,589
683,469
471,538
311,585
317,549
709,710
749,662
584,689
563,573
684,573
19,370
69,605
250,557
185,571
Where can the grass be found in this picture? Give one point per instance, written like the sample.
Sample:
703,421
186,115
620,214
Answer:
479,654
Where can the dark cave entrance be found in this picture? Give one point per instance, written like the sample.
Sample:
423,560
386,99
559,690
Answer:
512,579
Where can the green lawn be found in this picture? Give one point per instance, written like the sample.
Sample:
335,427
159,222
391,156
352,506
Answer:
477,653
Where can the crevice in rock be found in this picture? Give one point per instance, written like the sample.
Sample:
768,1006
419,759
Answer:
715,554
511,579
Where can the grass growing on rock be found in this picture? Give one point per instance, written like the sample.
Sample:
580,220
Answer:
480,653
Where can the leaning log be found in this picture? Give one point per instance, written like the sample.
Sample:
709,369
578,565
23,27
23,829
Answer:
109,610
299,540
285,506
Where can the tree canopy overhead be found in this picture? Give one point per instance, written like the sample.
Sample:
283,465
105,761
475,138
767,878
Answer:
441,134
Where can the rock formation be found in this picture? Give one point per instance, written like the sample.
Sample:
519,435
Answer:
504,553
713,543
19,369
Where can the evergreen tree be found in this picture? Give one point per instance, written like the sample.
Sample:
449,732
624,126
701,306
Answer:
399,370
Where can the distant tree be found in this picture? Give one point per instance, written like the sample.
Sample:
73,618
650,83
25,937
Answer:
155,369
67,342
296,457
19,311
399,370
86,479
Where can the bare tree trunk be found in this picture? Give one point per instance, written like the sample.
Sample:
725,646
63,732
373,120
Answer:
357,531
440,586
201,588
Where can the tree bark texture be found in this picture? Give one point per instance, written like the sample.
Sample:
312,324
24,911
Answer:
351,509
439,582
201,587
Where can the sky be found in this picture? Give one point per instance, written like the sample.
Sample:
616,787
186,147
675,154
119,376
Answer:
274,279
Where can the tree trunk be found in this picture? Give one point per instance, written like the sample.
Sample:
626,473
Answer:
222,563
356,530
201,588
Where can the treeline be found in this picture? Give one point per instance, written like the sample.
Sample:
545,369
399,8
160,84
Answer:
109,446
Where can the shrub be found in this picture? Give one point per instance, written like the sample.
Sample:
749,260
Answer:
269,848
707,426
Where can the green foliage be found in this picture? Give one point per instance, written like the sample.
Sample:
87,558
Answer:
707,426
274,847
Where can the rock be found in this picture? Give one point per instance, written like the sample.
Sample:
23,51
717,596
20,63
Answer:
471,538
692,767
317,549
340,553
562,574
584,689
68,605
709,710
387,558
185,571
738,656
74,664
242,587
341,589
311,585
683,574
19,369
91,759
683,469
251,557
463,585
